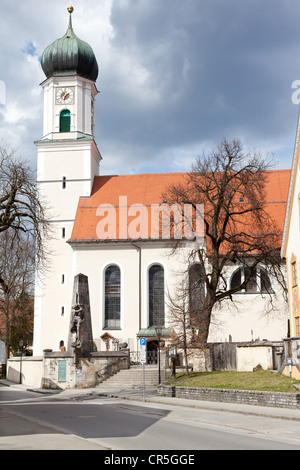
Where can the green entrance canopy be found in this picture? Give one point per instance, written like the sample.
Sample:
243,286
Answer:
147,332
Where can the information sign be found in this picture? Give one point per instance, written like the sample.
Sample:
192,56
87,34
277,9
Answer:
62,371
143,356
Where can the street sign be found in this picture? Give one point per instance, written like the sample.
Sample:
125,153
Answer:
172,351
143,343
143,356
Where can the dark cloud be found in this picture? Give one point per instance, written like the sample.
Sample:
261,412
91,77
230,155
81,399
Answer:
175,77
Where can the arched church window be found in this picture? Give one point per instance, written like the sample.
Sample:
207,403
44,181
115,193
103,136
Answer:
253,282
259,281
196,290
65,121
112,297
236,279
156,296
265,283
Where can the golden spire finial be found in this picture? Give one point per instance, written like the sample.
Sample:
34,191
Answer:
70,8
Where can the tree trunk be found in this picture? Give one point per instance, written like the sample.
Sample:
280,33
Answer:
7,331
204,323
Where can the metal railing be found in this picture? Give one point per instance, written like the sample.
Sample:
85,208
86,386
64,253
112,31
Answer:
151,357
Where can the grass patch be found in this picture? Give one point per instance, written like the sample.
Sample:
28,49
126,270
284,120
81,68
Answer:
263,380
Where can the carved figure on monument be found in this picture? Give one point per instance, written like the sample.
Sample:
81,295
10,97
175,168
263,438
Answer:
80,340
76,321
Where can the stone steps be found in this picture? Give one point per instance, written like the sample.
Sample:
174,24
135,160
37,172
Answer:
132,378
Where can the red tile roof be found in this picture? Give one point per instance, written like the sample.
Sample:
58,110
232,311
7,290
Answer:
150,189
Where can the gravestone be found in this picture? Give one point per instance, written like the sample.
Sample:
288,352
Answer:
80,341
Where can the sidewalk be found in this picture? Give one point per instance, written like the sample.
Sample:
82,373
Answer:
152,397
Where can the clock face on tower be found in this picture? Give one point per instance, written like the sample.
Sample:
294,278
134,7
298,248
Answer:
65,95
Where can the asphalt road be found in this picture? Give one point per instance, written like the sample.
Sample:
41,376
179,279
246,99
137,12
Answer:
29,421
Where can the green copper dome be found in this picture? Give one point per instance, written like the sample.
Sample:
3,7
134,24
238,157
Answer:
70,55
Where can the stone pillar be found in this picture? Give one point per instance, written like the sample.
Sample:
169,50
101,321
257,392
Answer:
80,341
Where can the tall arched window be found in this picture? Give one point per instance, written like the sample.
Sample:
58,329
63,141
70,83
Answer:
259,281
156,296
65,121
265,283
196,290
112,297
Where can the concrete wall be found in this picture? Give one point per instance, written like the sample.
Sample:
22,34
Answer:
30,369
249,357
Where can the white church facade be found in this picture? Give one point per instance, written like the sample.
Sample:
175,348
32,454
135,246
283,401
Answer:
131,272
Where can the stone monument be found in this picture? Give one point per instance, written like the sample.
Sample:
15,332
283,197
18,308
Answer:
80,341
80,366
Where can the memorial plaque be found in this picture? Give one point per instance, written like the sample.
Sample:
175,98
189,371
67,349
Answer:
62,371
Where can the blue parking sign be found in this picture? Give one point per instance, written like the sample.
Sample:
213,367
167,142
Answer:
142,342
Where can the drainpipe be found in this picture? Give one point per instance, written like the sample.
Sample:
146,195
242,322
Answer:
140,283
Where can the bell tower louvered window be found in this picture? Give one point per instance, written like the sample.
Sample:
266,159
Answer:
65,121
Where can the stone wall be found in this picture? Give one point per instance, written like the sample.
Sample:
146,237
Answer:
61,372
199,359
57,369
251,397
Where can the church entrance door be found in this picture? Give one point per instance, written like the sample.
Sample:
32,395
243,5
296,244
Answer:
152,348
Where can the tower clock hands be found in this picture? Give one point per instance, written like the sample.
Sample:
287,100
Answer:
65,95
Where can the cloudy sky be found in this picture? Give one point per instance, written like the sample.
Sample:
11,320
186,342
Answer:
176,76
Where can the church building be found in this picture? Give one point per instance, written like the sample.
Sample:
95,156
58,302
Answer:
100,228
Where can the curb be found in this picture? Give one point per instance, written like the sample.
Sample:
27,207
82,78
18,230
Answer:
289,414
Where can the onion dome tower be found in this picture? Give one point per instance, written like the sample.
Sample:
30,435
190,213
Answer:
71,71
68,160
70,55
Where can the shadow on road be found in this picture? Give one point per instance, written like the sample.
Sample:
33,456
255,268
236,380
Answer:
88,420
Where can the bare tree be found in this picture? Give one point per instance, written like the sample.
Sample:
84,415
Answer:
238,229
24,231
17,266
21,207
21,325
179,313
